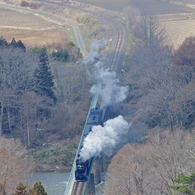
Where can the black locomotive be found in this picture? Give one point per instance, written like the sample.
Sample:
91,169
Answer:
83,168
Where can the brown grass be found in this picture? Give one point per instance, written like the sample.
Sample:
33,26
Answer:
30,29
177,31
32,38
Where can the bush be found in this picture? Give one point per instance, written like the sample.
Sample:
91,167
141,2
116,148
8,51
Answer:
59,156
61,55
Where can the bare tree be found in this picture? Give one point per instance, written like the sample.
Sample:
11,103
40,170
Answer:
73,83
13,164
147,32
16,71
156,80
131,15
184,56
184,104
150,168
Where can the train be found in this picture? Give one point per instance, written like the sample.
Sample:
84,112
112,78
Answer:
83,168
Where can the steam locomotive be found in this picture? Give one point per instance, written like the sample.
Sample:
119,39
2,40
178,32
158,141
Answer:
83,168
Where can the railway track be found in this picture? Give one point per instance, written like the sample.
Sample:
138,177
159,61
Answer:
118,32
78,188
113,63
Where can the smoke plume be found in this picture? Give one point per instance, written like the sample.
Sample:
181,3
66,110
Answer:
108,88
94,55
104,139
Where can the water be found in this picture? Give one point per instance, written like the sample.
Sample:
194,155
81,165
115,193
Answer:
54,183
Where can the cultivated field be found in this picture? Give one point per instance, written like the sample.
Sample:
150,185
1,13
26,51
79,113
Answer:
145,6
177,28
177,31
32,38
30,28
34,29
22,19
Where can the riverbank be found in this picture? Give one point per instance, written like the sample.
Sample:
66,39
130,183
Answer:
43,168
54,183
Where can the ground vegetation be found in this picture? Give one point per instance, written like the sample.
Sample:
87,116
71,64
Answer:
188,183
38,189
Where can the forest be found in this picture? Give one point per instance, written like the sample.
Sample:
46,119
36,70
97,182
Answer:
159,155
44,100
37,116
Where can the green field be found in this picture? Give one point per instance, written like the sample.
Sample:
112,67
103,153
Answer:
146,6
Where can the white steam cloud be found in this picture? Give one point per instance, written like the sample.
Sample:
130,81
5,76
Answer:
104,139
94,55
108,88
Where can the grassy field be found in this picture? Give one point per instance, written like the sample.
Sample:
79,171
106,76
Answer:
145,6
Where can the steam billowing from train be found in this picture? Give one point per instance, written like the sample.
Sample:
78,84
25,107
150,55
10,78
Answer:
94,55
104,139
108,88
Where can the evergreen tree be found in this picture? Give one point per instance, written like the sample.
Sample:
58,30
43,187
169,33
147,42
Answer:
17,44
13,42
38,189
3,42
20,45
43,77
21,190
188,182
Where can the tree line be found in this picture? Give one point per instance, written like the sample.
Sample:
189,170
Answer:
154,167
36,87
161,81
44,99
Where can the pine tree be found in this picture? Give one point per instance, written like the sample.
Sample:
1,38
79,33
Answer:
38,189
20,45
43,77
3,42
188,182
13,42
21,190
17,44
